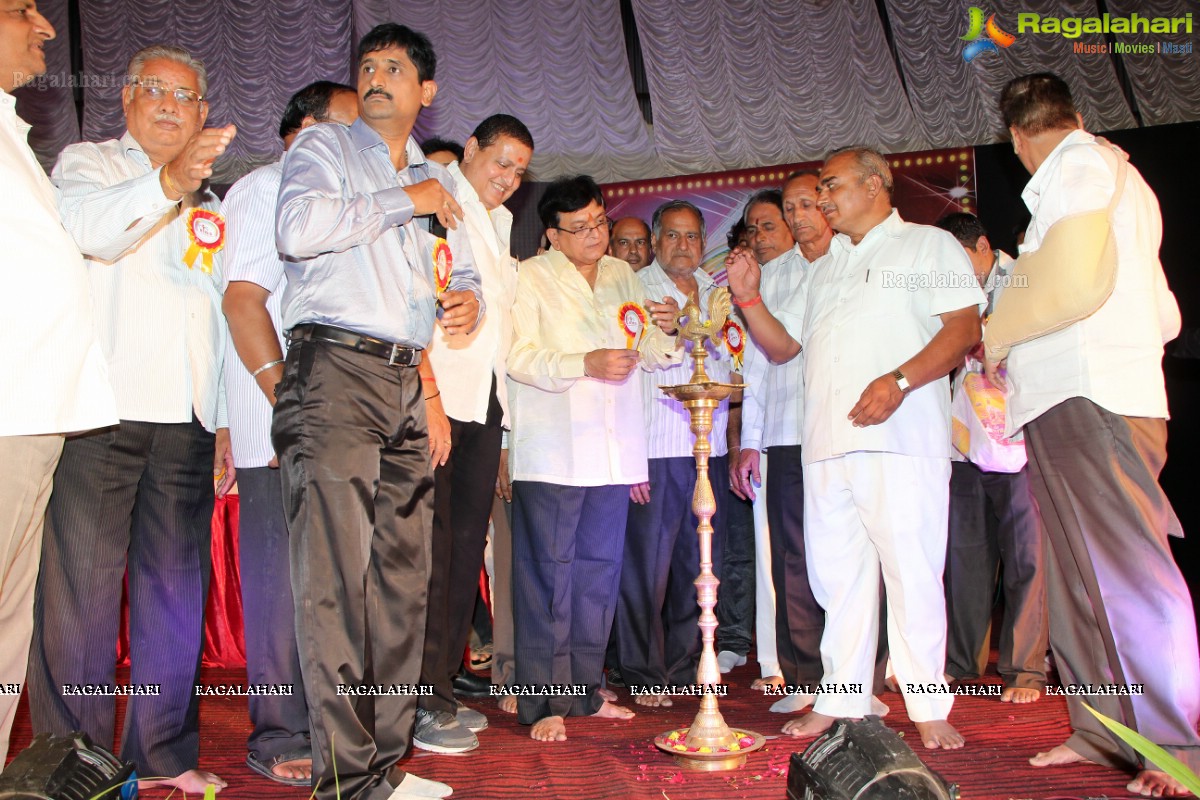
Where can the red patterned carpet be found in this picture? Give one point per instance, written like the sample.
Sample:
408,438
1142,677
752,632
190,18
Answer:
607,759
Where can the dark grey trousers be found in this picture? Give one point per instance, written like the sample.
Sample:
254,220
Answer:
994,522
658,641
280,721
138,495
1120,611
353,450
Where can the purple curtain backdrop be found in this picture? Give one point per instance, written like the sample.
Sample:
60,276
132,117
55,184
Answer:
733,84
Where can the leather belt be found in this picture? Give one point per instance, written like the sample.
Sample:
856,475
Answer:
397,355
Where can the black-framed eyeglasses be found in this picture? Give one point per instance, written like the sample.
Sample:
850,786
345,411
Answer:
580,233
156,91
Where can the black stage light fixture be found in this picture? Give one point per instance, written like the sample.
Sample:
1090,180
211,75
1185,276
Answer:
67,768
863,760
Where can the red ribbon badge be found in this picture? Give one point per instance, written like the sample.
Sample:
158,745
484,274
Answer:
443,266
206,232
735,342
633,321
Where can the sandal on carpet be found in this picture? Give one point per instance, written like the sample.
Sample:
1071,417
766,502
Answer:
267,770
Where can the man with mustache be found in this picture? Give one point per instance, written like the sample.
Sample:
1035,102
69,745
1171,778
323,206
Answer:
55,369
365,283
139,496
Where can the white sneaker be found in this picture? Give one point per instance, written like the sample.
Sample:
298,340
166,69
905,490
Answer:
414,788
727,660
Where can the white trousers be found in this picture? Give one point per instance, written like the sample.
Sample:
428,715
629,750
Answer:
863,513
764,587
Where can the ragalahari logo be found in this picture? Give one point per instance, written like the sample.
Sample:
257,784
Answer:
976,28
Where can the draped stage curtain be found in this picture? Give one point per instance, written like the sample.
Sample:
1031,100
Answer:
752,82
734,83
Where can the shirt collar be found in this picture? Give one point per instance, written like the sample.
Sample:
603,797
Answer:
8,107
364,137
1037,182
892,226
659,275
134,149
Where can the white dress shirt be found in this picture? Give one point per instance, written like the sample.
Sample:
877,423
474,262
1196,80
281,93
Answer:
465,363
569,429
1113,357
773,402
871,307
159,320
52,363
250,255
668,424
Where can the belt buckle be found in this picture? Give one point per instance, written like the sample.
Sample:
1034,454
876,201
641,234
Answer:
398,350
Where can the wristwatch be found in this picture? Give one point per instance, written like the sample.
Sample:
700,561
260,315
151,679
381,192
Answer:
901,381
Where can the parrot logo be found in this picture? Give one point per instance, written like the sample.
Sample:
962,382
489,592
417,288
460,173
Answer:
996,37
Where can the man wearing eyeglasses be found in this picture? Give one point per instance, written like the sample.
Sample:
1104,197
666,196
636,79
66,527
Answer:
139,495
577,448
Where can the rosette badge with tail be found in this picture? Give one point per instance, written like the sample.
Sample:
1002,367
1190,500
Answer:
206,237
633,322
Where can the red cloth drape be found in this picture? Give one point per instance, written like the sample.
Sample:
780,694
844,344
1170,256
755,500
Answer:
224,645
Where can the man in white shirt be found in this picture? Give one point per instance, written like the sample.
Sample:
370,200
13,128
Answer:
993,521
578,445
773,419
893,309
53,366
278,745
471,376
1092,402
658,641
141,494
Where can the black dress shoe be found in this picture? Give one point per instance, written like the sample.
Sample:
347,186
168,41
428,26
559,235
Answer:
468,684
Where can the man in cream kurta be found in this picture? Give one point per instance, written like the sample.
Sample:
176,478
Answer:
578,444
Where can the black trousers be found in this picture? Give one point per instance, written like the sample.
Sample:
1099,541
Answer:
462,502
136,497
567,544
353,450
994,521
658,641
799,618
735,599
280,721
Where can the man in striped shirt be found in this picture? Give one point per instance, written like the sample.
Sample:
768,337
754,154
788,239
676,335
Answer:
140,495
658,641
278,745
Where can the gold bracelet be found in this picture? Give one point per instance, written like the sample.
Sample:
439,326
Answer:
170,183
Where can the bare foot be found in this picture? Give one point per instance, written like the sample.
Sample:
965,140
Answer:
607,694
1013,694
763,683
193,781
508,704
297,769
549,729
811,724
610,711
939,734
1057,757
1152,783
653,700
891,684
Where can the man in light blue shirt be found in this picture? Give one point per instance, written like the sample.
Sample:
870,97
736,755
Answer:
363,283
